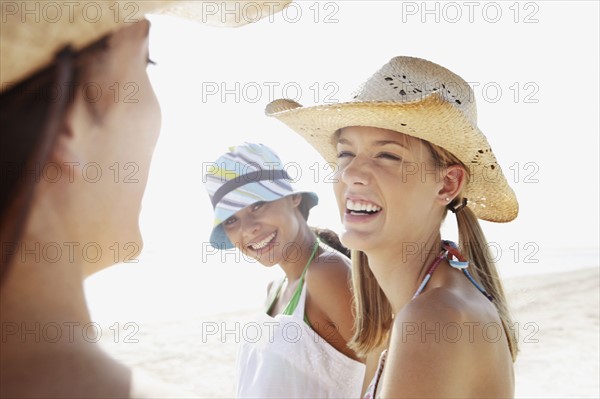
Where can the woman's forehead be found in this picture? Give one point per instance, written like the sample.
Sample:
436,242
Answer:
121,41
136,30
374,135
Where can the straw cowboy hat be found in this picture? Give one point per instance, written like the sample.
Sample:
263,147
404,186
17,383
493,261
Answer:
33,32
421,99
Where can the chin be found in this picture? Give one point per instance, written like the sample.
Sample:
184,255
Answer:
128,245
267,260
356,241
268,264
93,268
133,247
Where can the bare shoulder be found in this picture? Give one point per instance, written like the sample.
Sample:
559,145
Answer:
445,316
442,303
329,285
450,339
329,299
330,270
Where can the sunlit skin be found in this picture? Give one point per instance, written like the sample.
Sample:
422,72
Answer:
277,219
105,212
382,171
122,142
407,195
285,239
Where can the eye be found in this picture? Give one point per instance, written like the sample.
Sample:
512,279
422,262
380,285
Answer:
230,221
150,62
390,156
257,205
344,154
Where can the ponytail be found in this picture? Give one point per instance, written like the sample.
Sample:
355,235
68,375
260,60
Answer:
474,247
373,319
330,238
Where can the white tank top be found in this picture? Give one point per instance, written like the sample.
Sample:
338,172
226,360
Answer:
286,358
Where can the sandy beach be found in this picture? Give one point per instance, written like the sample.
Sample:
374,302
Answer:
556,315
559,355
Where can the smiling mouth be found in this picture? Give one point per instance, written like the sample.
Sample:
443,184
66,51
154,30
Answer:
361,208
261,244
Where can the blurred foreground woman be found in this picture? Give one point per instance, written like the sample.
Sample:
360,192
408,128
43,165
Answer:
63,212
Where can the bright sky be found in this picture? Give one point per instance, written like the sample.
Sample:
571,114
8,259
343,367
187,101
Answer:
534,69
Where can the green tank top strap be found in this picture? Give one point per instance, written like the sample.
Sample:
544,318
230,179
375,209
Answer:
273,295
293,303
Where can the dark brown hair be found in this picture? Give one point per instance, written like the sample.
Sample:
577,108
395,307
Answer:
327,236
330,238
32,115
31,120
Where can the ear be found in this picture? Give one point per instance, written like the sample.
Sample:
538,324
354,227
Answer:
69,147
296,200
453,180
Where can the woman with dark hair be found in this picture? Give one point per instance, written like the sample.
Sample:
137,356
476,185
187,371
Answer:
63,212
408,150
58,228
302,351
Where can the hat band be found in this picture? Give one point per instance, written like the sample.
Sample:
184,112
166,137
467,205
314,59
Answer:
252,177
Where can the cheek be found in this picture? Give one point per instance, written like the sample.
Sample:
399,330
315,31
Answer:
283,218
153,113
338,190
410,200
148,112
231,234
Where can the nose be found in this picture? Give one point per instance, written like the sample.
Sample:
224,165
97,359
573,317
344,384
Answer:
355,172
249,227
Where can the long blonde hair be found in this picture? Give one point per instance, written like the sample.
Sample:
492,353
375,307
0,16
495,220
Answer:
373,311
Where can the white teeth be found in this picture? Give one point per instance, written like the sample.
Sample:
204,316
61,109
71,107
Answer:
263,243
360,206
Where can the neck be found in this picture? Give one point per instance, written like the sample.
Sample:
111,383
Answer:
44,282
42,292
43,288
298,255
48,339
399,271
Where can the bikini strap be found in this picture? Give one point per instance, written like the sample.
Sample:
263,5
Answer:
457,261
273,294
295,299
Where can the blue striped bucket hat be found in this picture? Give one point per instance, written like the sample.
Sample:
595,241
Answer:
248,173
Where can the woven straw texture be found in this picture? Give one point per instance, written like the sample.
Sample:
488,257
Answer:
422,99
32,32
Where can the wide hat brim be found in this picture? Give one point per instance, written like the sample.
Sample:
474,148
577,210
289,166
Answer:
431,118
33,32
218,237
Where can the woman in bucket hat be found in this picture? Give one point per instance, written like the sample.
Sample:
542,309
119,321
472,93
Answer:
62,214
408,150
302,351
